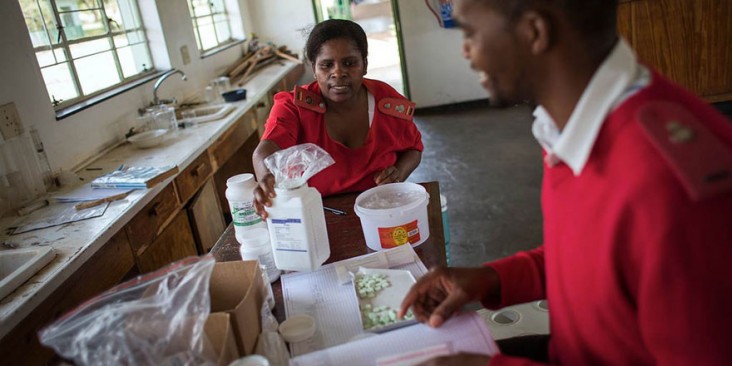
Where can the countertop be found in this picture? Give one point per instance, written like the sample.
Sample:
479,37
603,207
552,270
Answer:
76,242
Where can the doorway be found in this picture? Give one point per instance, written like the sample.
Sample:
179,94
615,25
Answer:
380,20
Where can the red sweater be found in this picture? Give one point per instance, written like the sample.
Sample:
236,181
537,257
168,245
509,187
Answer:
354,169
634,270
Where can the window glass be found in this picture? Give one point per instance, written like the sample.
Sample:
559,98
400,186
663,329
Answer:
210,23
85,47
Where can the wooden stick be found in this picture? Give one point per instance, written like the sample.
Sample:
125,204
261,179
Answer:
286,56
242,65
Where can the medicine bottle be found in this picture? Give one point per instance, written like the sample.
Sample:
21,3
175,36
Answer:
240,194
255,246
297,229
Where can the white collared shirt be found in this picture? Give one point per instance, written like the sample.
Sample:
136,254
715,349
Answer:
619,77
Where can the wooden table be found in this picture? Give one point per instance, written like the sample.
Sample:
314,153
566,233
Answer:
346,238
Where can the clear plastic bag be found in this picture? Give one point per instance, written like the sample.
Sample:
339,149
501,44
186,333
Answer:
155,319
270,343
292,167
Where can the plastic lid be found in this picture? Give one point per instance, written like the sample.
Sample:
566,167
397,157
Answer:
297,328
252,360
253,237
246,178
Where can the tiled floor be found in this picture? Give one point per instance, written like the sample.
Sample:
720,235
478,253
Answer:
489,168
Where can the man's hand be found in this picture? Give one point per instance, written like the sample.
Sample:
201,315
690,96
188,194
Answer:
460,359
388,175
443,292
263,195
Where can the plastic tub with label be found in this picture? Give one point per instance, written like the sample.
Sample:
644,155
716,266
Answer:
394,214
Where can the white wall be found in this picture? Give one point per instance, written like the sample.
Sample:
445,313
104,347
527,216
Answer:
283,22
82,136
438,73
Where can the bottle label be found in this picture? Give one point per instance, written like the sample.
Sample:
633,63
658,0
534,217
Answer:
289,235
391,237
243,214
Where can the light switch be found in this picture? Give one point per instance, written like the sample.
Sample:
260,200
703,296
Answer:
185,55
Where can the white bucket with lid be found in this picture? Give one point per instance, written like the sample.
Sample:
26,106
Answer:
394,214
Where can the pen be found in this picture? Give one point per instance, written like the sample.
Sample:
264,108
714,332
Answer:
333,210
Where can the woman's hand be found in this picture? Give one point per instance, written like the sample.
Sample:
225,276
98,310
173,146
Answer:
263,195
388,175
443,292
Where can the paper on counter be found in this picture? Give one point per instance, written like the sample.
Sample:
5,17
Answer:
85,192
410,345
334,307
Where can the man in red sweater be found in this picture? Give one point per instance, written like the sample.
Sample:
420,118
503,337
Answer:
636,263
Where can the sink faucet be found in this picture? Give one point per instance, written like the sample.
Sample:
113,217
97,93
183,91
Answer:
156,100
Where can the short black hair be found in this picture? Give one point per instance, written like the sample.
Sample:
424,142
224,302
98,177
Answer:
334,29
593,18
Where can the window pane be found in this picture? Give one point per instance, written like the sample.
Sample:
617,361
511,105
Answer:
222,31
82,24
40,22
136,37
208,36
59,83
97,72
123,13
218,6
50,57
200,7
79,4
79,50
121,41
134,59
220,18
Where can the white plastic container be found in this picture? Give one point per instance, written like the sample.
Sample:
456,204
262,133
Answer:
240,194
255,246
394,214
297,229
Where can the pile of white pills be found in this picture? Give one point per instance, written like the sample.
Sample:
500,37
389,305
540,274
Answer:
368,286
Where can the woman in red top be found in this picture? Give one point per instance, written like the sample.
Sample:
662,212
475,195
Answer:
365,125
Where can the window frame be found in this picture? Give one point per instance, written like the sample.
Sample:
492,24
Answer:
211,14
63,44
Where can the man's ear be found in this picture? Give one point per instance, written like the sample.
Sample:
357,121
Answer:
365,65
536,30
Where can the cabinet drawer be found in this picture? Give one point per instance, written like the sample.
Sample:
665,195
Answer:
225,146
174,243
145,226
193,177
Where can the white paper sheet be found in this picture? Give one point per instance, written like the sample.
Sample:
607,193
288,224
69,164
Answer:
334,306
410,345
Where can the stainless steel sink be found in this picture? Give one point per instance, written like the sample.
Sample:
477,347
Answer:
18,265
207,113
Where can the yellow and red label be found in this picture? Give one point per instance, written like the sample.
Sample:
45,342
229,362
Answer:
391,237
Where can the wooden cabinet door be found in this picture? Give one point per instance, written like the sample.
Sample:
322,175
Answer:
685,40
145,226
207,220
99,273
174,243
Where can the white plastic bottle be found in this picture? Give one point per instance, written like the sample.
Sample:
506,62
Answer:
297,229
240,194
255,246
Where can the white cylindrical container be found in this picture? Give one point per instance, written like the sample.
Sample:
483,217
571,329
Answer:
297,229
255,246
394,214
240,194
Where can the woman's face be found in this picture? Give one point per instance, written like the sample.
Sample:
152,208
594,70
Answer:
339,69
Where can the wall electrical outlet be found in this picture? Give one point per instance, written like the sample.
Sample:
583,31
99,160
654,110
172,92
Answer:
10,125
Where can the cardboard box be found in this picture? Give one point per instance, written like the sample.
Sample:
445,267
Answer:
237,289
220,334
